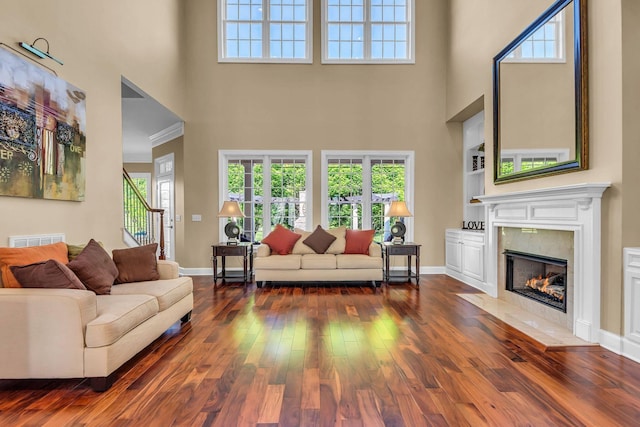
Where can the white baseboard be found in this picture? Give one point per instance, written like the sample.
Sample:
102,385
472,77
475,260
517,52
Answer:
195,271
620,345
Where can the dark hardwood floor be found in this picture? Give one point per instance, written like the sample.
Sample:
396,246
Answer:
345,356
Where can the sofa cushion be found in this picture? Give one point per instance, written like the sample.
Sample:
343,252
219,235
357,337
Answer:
338,245
167,292
318,262
28,255
136,264
48,274
117,315
319,240
300,248
281,240
95,268
354,261
278,262
358,241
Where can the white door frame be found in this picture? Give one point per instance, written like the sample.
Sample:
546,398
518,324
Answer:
169,215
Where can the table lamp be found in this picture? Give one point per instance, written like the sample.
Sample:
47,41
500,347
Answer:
398,209
231,209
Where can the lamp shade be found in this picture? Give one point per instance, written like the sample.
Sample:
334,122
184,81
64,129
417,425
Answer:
230,210
398,209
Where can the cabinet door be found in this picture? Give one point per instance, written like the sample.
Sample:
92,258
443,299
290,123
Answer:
453,254
473,260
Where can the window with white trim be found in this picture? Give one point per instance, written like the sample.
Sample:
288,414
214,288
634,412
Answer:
265,31
358,187
546,44
272,187
368,31
512,161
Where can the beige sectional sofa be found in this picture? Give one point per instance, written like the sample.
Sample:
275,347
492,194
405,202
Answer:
303,264
70,333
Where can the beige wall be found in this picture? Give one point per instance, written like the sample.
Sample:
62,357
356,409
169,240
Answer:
98,42
470,76
315,107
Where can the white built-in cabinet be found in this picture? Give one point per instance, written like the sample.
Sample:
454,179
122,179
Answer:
464,249
473,167
632,295
464,252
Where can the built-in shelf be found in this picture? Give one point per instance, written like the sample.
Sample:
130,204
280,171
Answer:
473,140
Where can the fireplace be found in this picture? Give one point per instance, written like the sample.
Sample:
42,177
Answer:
540,278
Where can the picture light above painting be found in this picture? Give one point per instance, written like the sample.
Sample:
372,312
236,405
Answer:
540,97
42,133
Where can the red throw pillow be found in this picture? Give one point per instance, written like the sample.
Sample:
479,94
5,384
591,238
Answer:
358,241
281,240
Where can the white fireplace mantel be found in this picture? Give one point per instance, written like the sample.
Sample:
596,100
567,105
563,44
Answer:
575,208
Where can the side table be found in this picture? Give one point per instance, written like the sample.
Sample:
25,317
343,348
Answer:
408,249
223,250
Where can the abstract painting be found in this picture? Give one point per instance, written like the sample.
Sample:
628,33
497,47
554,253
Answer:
42,133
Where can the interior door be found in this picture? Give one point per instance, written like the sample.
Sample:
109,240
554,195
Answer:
165,183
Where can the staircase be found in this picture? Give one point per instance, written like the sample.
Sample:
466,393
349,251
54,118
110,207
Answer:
141,220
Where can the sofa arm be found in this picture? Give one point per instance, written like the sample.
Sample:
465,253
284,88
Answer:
45,329
375,250
263,251
168,269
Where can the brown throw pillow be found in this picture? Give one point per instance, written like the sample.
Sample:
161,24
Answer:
95,268
319,240
48,274
136,264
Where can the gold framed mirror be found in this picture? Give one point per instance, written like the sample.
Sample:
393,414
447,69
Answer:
540,102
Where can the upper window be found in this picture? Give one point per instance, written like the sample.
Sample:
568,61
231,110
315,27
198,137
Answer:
546,44
367,31
264,31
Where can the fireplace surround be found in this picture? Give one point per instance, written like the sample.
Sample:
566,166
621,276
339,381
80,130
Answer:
575,208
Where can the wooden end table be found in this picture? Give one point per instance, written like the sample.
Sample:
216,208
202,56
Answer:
223,250
408,249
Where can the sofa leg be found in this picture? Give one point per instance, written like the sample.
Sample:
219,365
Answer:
100,384
261,283
186,318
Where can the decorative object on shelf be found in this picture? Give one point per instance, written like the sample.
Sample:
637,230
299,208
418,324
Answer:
481,148
475,163
473,225
39,52
42,132
398,209
231,209
481,162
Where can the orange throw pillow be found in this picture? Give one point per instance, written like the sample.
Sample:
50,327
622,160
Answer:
281,240
26,256
358,241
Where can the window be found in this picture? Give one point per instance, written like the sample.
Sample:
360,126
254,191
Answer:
264,30
368,31
512,161
357,188
271,187
544,45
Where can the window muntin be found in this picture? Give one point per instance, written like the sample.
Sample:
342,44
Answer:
359,186
265,30
272,188
375,31
545,45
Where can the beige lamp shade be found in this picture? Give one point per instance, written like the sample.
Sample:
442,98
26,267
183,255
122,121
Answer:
398,209
230,210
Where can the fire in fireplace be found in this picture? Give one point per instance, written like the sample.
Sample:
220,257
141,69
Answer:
537,277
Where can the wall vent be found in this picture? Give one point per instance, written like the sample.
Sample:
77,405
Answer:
35,240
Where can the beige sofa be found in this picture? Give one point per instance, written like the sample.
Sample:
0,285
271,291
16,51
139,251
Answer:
305,265
65,333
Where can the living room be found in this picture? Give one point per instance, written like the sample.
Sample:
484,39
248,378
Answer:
169,49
